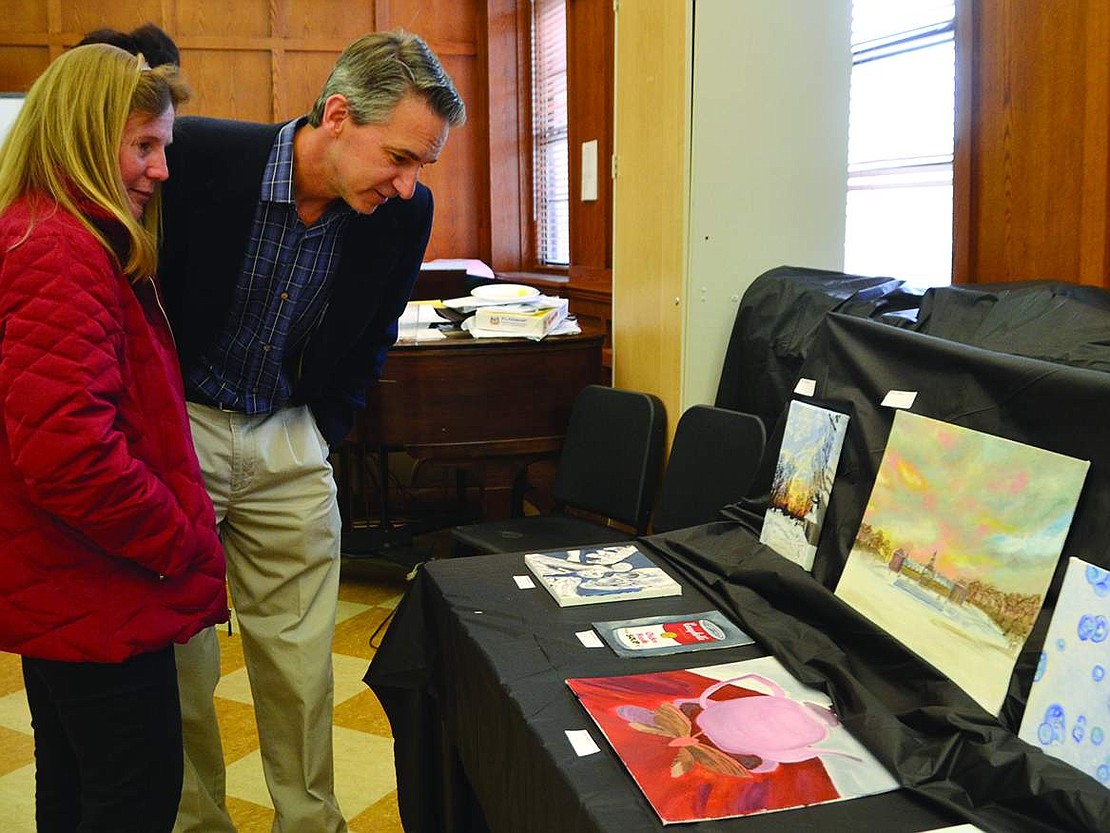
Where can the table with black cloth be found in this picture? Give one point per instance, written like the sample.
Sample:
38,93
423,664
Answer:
471,673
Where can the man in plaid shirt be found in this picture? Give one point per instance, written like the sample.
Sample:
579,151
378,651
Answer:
289,253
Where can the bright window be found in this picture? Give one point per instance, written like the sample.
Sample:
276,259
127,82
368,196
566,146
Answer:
550,160
10,104
900,140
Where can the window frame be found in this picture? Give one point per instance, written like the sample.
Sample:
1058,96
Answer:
549,129
508,239
880,173
512,228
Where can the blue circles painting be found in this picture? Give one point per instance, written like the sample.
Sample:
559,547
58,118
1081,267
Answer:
1068,712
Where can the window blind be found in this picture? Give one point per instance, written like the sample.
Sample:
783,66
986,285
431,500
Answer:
900,140
550,150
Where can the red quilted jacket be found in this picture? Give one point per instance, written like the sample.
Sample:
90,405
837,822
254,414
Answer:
108,542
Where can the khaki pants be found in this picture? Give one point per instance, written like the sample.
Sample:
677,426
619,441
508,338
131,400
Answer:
275,499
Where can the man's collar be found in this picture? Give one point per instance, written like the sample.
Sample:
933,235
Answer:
277,179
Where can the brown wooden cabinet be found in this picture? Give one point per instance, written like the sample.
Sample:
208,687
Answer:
591,302
487,406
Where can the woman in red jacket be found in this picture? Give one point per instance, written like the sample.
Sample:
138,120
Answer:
108,546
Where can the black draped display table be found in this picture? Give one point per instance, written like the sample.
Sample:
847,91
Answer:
471,675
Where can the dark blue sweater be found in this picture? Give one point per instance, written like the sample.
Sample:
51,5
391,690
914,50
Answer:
209,204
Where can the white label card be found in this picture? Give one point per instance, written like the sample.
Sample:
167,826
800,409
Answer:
582,742
590,639
806,387
524,582
899,399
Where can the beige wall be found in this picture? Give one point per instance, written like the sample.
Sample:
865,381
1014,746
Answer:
731,144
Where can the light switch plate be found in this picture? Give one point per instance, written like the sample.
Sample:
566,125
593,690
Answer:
589,170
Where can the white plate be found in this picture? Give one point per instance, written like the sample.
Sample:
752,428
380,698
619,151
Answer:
504,292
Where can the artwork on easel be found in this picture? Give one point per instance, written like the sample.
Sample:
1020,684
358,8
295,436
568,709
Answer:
957,547
729,740
1068,710
811,443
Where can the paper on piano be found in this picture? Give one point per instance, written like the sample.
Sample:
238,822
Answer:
415,323
420,313
472,266
469,303
408,335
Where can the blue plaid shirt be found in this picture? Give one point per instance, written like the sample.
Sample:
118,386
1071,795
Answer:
281,295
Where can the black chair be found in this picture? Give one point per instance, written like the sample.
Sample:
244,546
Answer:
713,459
609,467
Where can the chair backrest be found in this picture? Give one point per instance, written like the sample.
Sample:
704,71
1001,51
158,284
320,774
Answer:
612,455
714,456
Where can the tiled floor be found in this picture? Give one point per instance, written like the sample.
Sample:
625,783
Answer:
369,590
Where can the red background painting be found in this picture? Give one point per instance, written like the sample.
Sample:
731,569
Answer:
700,793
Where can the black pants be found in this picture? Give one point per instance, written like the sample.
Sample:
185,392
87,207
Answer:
108,753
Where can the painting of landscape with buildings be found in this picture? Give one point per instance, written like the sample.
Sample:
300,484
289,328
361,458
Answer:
958,544
811,443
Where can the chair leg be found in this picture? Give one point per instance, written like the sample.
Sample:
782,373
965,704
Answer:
520,488
380,630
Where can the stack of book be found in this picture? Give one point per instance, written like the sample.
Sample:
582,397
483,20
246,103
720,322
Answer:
508,310
534,318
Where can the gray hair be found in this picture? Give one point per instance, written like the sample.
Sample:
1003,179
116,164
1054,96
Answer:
378,70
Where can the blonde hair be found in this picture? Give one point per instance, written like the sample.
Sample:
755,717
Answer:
65,141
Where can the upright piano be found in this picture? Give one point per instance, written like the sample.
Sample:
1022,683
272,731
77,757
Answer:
484,407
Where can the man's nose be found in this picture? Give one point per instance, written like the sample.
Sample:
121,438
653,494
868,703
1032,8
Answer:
405,182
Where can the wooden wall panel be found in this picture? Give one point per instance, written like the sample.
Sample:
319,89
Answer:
509,152
331,20
451,30
20,66
302,76
1032,187
590,114
220,19
24,18
442,21
80,16
265,60
228,84
457,179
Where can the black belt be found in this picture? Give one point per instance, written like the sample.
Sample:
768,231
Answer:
198,398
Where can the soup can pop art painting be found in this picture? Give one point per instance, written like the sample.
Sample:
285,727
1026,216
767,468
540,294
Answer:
957,546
